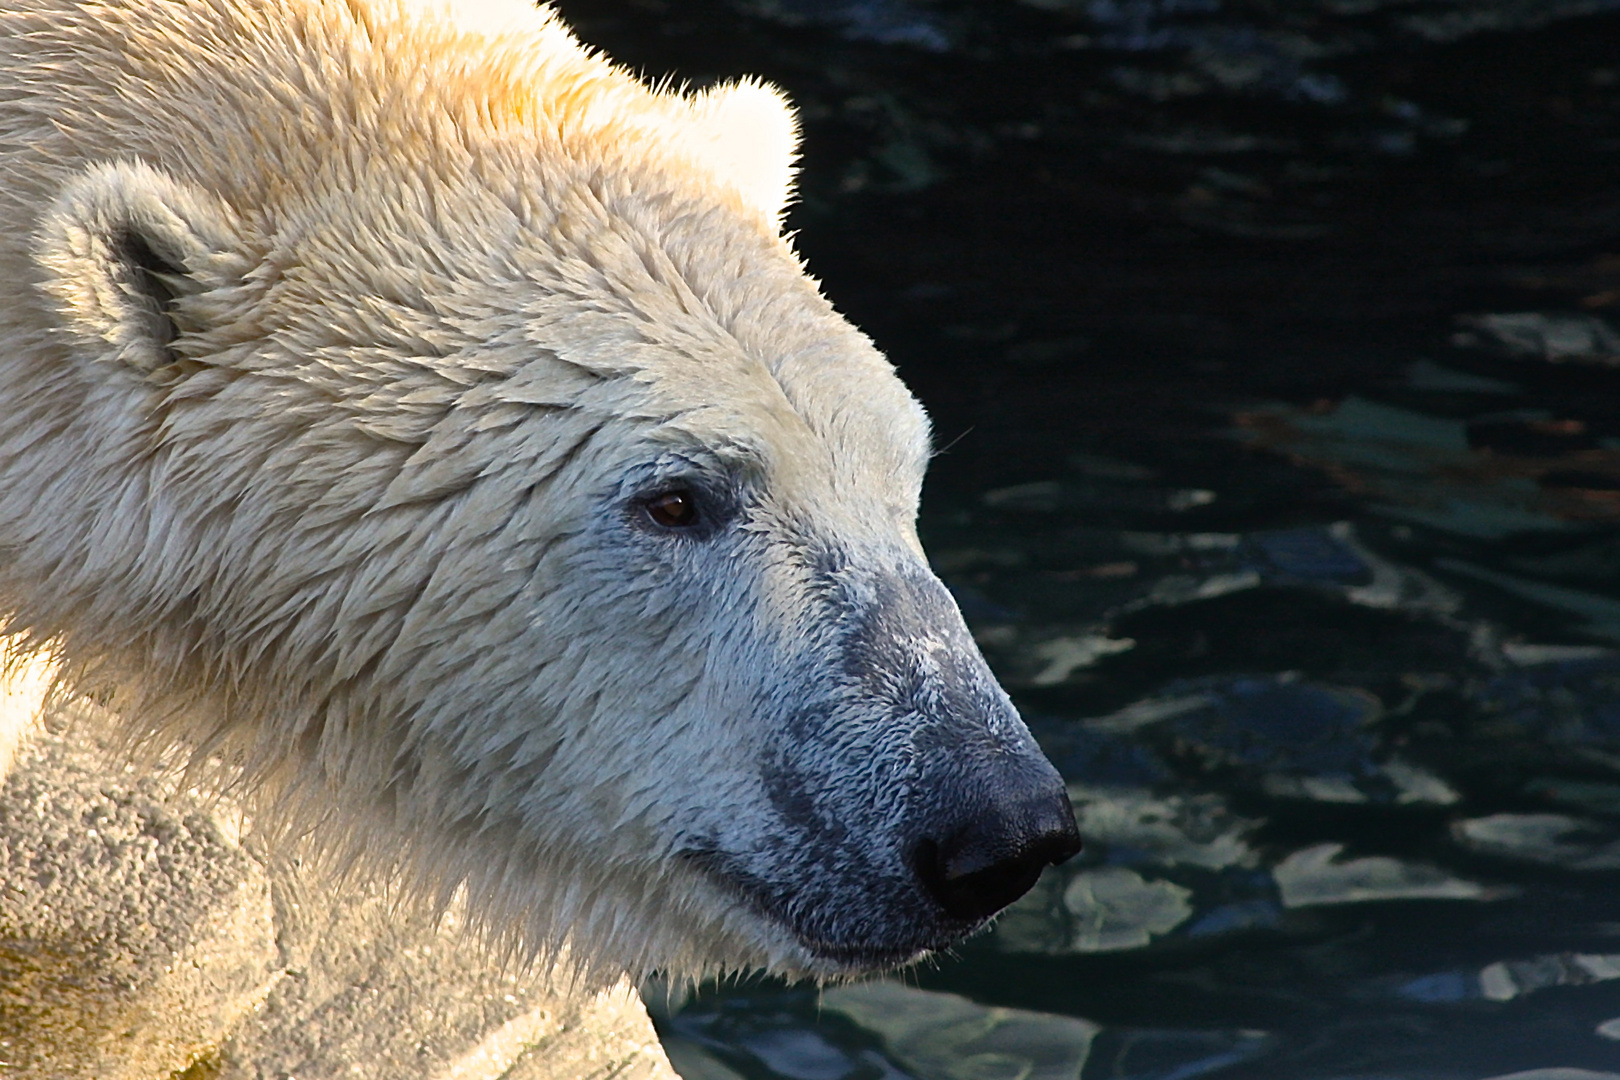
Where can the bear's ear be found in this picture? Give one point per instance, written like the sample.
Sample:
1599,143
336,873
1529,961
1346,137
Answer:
748,134
121,248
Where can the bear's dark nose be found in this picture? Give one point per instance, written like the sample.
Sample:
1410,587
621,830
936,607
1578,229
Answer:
981,867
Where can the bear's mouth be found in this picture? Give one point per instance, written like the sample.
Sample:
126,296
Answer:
857,960
833,957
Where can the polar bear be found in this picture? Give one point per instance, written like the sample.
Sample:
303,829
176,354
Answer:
421,418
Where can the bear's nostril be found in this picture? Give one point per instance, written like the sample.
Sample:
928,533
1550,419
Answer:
992,861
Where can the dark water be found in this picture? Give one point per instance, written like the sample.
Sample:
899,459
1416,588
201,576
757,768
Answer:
1275,348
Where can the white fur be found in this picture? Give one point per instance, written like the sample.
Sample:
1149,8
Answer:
447,287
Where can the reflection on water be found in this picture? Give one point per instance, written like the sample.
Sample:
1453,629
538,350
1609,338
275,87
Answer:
1275,347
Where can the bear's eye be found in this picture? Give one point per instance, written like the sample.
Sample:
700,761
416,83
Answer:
673,509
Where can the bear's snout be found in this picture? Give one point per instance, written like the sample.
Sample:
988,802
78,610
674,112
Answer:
990,812
912,801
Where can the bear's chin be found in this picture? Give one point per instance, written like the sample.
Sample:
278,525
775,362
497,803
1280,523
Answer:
832,961
836,960
901,940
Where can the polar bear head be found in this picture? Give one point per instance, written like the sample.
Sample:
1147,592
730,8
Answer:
429,421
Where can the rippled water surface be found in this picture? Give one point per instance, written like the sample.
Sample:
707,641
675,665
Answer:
1274,348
